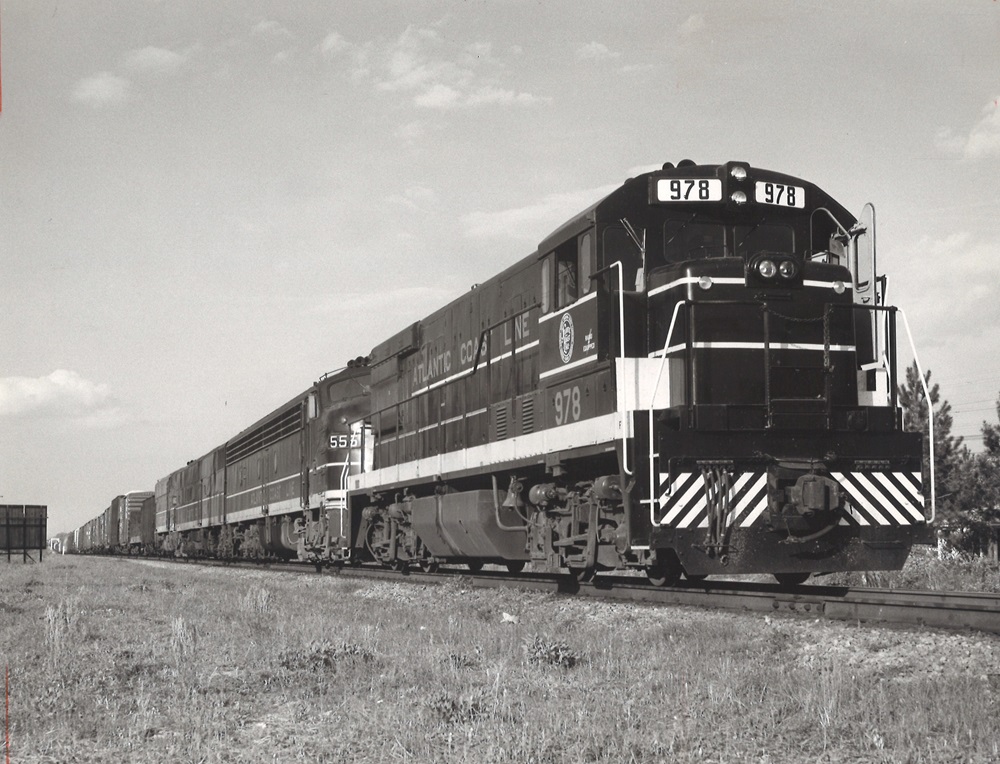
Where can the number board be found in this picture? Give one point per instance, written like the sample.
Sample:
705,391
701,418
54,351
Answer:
779,194
689,190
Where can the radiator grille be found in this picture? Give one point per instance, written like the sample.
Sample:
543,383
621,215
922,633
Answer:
528,414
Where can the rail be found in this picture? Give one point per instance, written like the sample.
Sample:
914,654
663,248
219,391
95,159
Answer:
926,609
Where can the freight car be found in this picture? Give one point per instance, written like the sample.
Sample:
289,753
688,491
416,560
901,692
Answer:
694,376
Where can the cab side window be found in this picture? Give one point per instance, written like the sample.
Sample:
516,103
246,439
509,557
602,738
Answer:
588,261
547,284
567,285
567,270
619,247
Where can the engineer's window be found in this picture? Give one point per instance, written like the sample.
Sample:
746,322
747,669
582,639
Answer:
566,273
587,262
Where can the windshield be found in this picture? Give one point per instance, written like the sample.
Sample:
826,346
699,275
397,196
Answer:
764,237
690,240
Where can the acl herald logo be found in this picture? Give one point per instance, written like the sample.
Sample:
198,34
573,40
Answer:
566,337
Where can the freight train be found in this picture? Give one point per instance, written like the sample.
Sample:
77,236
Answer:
696,375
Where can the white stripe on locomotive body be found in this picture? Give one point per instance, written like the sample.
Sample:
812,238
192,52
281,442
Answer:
567,366
400,436
518,349
755,346
577,304
872,498
274,508
483,362
588,432
335,464
735,281
296,476
193,503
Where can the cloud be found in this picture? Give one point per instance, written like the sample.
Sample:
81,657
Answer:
694,24
982,140
437,74
417,198
596,51
103,88
153,59
438,96
488,94
268,28
62,394
480,50
534,221
958,296
334,44
412,131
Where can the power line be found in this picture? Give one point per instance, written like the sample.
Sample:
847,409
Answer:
992,375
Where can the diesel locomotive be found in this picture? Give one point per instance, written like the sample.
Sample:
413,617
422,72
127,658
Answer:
696,375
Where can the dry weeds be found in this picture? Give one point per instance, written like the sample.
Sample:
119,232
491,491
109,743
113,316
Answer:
116,660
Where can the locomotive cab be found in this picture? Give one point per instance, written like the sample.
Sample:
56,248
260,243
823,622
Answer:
781,438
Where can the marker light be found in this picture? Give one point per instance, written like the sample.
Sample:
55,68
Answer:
739,173
787,269
705,282
838,287
738,197
767,268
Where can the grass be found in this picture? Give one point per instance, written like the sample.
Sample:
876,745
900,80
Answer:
929,569
116,660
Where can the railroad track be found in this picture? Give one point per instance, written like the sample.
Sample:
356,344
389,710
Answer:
944,610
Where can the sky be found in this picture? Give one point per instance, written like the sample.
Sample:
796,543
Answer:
204,206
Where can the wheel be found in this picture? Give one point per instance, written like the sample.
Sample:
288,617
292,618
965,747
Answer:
428,565
791,579
583,575
515,567
696,579
475,566
660,574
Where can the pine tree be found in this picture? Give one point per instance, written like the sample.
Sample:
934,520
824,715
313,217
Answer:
968,485
981,489
991,434
949,453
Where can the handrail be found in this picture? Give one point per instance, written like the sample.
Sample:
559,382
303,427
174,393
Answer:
666,344
621,344
659,376
621,354
930,414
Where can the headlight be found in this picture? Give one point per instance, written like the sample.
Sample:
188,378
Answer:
705,282
767,269
739,173
738,197
788,269
838,287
